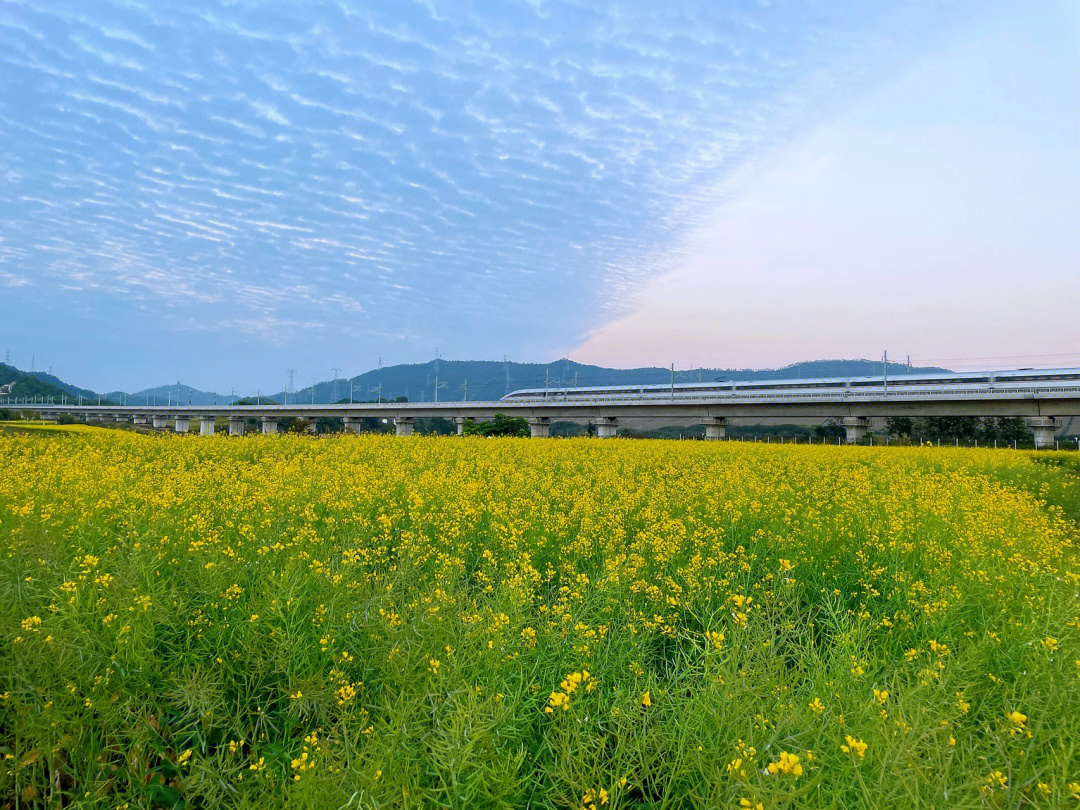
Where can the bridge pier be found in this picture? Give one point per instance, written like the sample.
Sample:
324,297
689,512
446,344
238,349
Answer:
1044,428
159,421
120,417
181,424
350,424
206,426
460,422
236,425
138,419
269,425
855,427
714,428
540,427
403,425
607,427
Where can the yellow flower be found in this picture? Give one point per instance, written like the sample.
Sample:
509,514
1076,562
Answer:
786,764
995,780
346,693
817,706
881,695
646,699
1016,717
856,747
558,700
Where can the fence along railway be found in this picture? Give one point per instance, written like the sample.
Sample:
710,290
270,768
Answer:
1041,396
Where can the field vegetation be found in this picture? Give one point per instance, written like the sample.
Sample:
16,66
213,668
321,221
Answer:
368,621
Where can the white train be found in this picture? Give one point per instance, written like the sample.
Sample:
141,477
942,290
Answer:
1026,378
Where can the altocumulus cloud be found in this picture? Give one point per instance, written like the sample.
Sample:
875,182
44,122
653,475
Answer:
494,176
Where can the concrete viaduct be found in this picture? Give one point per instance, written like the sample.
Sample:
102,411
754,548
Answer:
1040,407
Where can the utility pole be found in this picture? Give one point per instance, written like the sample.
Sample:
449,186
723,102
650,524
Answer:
292,375
438,386
885,371
377,388
465,388
673,381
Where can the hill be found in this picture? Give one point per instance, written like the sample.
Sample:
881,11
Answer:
486,379
17,385
166,394
457,380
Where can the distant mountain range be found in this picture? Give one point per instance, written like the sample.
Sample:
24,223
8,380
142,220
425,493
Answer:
170,395
449,381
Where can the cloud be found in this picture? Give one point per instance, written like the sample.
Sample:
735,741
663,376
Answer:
500,179
934,217
269,112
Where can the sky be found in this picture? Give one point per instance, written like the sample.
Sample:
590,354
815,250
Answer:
215,192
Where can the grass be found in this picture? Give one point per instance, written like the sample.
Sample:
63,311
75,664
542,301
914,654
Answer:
383,622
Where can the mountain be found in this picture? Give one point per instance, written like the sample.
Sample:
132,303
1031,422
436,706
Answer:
488,380
71,390
16,385
172,394
456,380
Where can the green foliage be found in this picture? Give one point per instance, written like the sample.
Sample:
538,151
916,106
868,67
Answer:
563,429
969,429
898,425
501,425
435,426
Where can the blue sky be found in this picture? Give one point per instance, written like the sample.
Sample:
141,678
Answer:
215,192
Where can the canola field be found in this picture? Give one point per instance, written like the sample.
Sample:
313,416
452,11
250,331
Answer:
442,622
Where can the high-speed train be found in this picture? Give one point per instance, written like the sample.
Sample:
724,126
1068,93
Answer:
1022,378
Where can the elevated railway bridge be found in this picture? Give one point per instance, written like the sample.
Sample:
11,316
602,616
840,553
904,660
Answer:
1041,397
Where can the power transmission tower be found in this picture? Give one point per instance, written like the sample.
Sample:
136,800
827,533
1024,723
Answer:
465,388
506,368
289,388
334,395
